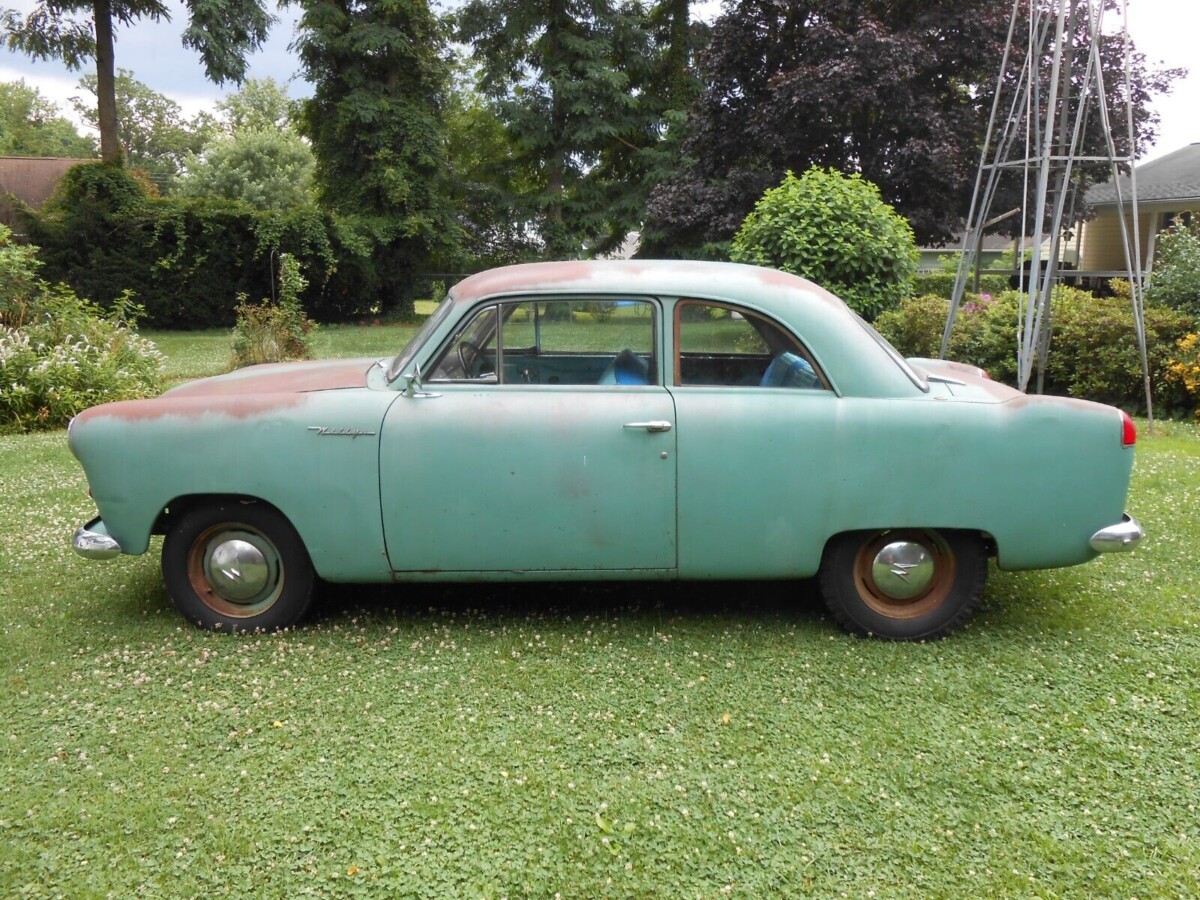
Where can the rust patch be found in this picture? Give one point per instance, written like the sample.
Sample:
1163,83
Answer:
1023,400
530,276
237,407
281,378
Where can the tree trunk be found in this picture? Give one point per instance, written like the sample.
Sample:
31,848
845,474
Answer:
111,150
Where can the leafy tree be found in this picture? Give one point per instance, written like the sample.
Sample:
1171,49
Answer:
836,231
899,92
269,169
158,138
223,32
488,180
258,157
1175,279
30,125
375,124
571,80
260,104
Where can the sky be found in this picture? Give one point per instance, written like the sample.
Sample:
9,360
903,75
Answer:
1165,30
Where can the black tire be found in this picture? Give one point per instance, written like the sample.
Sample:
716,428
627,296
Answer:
903,584
237,566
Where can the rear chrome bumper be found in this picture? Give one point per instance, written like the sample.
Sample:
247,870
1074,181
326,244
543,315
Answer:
92,541
1121,537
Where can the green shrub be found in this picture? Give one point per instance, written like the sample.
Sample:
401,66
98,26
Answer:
274,332
836,230
941,284
187,260
1175,280
60,354
1093,349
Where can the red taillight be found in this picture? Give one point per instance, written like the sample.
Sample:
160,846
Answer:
1128,431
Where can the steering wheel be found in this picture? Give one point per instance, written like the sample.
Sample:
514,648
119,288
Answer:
463,347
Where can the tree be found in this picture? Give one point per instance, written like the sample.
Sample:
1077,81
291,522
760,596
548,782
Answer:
488,180
257,156
221,31
260,104
899,92
572,83
269,169
837,231
157,137
30,125
375,124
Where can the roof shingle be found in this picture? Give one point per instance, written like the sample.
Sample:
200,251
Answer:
1175,176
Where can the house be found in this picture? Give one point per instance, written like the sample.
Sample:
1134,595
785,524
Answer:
1168,189
31,179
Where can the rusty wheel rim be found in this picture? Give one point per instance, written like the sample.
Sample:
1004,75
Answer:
235,570
904,574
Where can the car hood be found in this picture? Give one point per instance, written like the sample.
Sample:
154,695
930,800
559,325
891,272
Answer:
254,390
281,378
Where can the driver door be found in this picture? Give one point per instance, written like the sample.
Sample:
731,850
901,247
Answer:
531,452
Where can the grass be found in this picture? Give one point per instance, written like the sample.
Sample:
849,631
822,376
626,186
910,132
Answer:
627,741
196,354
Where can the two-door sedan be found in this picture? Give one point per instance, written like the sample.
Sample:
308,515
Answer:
610,420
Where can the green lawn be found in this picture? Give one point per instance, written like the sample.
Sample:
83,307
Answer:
195,354
626,741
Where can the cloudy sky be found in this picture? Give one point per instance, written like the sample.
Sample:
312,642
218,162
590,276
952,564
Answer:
1165,30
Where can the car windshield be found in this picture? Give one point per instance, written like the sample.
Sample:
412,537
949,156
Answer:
404,357
893,353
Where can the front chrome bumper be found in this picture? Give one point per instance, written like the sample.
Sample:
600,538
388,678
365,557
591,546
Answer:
1121,537
92,541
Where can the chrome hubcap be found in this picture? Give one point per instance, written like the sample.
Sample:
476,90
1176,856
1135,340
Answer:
238,569
902,570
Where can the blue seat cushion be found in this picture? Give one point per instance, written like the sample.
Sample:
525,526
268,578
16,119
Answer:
626,368
787,370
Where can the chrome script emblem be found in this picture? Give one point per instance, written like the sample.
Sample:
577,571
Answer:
328,431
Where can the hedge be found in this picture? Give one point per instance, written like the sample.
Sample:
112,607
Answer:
1093,347
186,261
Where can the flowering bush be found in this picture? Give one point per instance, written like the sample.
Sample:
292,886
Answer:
1183,369
1093,348
60,354
1175,280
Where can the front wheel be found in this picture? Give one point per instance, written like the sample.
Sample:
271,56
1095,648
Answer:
237,566
904,583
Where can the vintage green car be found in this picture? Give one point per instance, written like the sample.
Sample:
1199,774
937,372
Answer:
610,420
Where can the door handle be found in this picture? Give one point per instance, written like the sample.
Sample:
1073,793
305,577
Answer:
649,426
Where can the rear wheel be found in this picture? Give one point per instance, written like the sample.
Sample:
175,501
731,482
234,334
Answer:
237,566
903,583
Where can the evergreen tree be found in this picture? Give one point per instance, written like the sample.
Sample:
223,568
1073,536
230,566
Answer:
374,120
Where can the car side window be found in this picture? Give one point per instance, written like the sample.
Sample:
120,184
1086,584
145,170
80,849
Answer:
554,341
722,345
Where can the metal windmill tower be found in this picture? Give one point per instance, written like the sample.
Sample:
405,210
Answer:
1040,111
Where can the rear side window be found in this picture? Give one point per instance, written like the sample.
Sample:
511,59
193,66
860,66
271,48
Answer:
721,345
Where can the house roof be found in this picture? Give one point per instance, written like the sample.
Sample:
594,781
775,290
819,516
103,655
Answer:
32,178
1175,176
